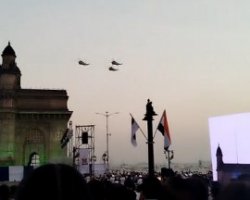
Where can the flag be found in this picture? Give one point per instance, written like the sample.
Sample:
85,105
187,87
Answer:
163,128
134,129
67,135
64,138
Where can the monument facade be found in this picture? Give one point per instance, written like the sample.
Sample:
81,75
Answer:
32,121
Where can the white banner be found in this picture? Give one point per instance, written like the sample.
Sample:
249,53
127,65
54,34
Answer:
84,169
83,157
15,173
84,161
100,169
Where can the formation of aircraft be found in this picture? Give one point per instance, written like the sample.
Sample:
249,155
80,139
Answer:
111,68
114,63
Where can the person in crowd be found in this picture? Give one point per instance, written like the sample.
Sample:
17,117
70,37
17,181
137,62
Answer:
215,189
4,192
178,187
192,188
129,183
53,182
166,174
151,188
115,191
197,187
13,189
97,189
238,190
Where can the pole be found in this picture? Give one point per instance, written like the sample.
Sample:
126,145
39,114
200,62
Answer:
74,157
107,137
149,118
168,159
150,148
107,114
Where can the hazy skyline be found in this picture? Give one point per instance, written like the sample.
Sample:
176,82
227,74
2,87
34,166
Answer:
188,57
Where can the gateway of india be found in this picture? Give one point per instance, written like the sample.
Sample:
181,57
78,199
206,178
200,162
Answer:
32,121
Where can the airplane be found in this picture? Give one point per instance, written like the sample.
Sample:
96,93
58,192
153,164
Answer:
112,69
115,63
82,63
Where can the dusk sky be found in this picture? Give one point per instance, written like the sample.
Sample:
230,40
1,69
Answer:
188,57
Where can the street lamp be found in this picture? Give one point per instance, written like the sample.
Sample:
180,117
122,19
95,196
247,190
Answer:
169,156
107,114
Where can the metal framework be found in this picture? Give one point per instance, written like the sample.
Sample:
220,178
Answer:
90,129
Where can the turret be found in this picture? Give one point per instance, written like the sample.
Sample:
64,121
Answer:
9,72
219,157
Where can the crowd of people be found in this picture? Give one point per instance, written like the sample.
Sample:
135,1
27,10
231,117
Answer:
63,182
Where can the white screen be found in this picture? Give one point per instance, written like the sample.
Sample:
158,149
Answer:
232,134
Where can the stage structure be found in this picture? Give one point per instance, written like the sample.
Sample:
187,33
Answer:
84,149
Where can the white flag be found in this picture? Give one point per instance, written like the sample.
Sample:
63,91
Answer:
134,129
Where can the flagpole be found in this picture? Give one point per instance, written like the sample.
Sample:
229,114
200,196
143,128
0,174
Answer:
143,133
169,157
149,118
157,126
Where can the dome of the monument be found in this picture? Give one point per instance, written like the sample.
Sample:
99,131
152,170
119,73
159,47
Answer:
8,51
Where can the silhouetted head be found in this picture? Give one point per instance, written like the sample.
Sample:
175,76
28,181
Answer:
166,172
4,192
117,191
197,188
151,188
53,182
97,189
239,190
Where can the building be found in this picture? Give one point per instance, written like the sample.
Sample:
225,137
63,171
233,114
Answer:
227,172
32,121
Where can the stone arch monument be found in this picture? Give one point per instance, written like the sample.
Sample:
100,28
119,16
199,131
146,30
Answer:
31,120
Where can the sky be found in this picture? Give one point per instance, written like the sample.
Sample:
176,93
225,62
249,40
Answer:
188,57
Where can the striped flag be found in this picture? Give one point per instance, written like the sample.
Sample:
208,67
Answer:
163,128
134,129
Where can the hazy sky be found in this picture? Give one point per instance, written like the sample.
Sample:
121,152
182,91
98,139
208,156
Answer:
190,57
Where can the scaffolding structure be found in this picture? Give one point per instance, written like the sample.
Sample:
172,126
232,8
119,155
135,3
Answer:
84,143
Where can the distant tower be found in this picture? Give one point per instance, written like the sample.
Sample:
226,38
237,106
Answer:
9,83
9,72
219,157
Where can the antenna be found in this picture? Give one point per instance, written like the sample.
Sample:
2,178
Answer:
236,145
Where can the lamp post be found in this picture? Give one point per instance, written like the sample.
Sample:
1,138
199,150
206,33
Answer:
169,156
106,115
92,165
